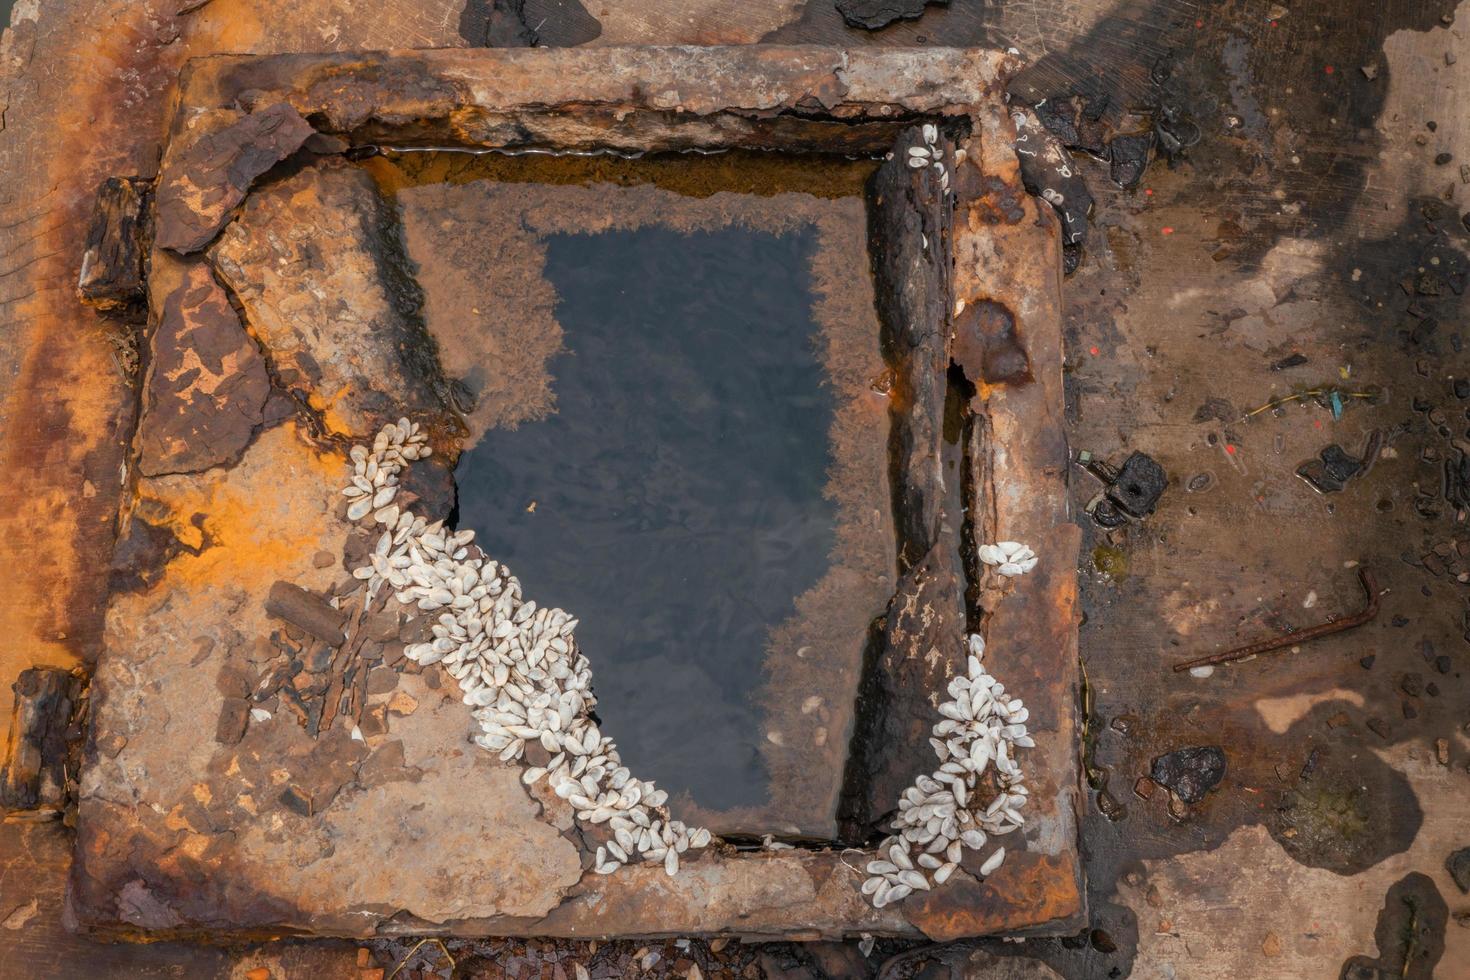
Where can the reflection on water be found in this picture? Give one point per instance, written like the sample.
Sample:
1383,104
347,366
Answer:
674,500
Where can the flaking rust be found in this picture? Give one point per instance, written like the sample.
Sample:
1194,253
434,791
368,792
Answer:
988,242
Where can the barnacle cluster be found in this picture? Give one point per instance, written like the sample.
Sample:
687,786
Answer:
1010,558
517,664
942,815
928,154
519,669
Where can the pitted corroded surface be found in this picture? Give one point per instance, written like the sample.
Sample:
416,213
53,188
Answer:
649,98
267,804
312,262
206,383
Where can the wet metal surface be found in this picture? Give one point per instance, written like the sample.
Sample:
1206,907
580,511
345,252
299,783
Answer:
285,810
1300,143
674,498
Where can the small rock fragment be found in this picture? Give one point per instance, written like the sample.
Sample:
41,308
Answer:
1458,865
1139,485
296,801
1128,158
872,15
1190,772
233,717
307,611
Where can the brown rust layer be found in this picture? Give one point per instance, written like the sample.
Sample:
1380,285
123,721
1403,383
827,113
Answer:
216,170
1008,252
633,99
206,384
245,528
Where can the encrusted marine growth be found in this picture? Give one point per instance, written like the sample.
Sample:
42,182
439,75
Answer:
519,669
941,815
517,664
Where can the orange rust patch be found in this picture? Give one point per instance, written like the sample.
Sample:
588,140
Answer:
256,521
1045,886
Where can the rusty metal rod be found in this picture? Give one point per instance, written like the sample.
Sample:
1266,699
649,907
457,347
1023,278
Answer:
1369,610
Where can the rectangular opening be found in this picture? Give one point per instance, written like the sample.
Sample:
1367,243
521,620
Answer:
679,435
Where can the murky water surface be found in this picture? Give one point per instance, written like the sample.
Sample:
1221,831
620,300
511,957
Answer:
674,500
675,437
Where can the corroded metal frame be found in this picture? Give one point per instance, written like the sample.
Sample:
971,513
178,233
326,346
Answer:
1003,257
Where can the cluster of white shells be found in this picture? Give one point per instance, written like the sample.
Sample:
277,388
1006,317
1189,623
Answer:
1011,557
939,817
928,154
517,664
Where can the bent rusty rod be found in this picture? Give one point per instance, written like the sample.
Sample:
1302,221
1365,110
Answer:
1370,588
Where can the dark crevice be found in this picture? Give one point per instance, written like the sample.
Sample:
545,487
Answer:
854,829
417,347
974,498
751,842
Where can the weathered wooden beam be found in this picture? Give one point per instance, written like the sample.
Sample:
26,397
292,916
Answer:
921,636
34,774
909,231
112,276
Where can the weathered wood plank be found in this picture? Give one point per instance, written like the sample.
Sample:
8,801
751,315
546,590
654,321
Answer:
909,240
921,636
111,279
40,740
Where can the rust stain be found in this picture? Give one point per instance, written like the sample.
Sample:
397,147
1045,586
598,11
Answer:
245,538
1044,886
68,413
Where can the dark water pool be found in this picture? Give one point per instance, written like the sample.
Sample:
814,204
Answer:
674,500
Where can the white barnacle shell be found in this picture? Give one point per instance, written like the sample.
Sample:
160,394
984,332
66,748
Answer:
516,662
980,727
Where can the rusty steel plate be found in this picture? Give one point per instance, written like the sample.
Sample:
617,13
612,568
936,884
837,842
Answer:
279,335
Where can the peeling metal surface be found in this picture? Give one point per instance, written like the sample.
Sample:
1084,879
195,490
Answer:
760,98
